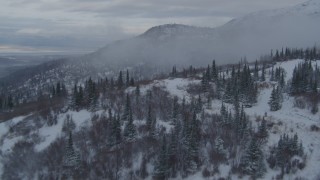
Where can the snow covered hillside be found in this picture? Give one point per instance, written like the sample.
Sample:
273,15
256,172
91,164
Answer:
155,112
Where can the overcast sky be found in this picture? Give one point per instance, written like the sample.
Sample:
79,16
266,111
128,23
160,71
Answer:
85,25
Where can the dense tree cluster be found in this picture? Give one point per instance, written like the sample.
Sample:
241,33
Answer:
59,90
294,53
282,154
6,102
305,78
241,86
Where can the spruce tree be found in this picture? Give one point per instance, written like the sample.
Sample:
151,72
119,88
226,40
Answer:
161,165
58,89
130,129
204,83
127,79
137,91
208,73
174,115
173,153
256,71
149,118
120,80
68,124
228,94
131,82
127,109
199,104
115,132
274,101
214,72
263,72
224,113
74,97
191,145
252,162
71,160
262,130
80,98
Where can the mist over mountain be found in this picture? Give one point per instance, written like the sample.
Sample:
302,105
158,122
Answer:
161,47
250,36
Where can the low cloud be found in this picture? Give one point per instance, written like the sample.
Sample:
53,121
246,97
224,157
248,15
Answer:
90,24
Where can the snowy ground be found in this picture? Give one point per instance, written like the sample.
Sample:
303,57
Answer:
288,120
293,120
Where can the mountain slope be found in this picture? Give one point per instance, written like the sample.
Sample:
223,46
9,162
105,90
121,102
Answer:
251,35
91,133
161,47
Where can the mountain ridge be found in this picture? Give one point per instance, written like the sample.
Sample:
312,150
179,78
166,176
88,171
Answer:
260,31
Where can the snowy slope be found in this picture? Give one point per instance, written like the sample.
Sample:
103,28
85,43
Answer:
288,120
291,120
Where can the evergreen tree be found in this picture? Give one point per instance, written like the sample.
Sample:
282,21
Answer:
74,97
242,125
161,166
131,82
174,115
224,113
149,119
58,89
174,71
80,97
137,91
274,101
272,78
127,79
282,81
263,72
256,71
199,104
262,130
92,96
68,124
127,109
252,162
112,84
53,91
130,129
153,131
204,83
229,93
120,80
115,134
191,145
208,73
173,153
214,71
71,160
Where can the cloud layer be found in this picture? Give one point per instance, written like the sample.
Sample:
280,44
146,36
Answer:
85,25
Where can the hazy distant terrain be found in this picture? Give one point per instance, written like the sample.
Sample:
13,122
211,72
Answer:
250,36
161,47
15,62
